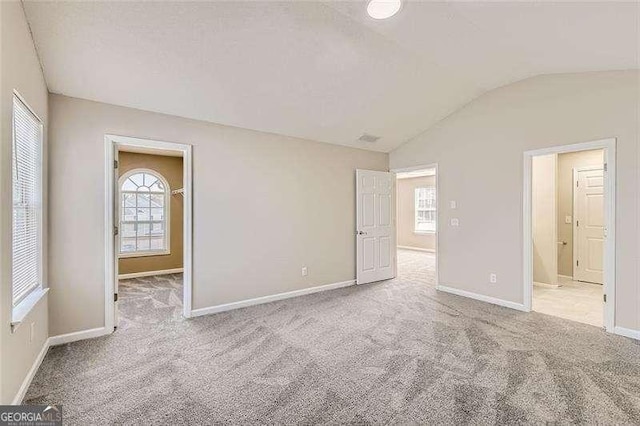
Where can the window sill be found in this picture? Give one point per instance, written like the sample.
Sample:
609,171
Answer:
23,309
424,232
144,254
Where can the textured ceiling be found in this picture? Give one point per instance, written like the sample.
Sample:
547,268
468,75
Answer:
320,70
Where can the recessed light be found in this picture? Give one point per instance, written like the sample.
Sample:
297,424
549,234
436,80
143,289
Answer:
383,9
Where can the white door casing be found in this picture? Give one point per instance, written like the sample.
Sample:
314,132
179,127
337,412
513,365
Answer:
375,226
588,225
116,234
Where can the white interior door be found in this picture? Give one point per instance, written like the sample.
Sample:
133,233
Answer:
376,226
588,204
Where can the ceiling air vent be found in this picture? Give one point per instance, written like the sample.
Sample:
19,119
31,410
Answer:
368,138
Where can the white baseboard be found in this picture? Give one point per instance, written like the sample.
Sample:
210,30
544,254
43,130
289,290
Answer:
150,273
482,298
17,400
417,249
627,332
267,299
546,285
565,276
78,335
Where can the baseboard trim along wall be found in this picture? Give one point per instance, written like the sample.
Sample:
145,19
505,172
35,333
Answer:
78,335
417,249
150,273
266,299
31,374
627,332
482,298
545,285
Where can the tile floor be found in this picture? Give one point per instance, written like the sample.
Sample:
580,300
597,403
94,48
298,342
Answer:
574,300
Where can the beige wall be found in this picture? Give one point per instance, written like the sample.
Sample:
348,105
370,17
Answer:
479,151
406,213
264,206
20,70
543,219
171,169
566,164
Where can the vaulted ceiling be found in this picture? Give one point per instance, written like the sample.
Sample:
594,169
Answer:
320,70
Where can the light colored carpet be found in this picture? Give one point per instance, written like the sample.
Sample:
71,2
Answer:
388,352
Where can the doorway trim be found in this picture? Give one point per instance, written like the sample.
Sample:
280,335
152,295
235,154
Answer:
438,209
609,255
112,142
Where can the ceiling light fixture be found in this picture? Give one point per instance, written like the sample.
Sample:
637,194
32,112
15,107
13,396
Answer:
383,9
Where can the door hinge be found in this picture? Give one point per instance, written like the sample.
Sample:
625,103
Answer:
116,231
604,296
115,164
577,223
605,167
577,183
577,262
115,297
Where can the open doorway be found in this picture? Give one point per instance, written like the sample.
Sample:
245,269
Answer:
148,270
150,222
417,218
571,224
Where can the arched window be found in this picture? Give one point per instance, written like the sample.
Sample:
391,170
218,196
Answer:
144,214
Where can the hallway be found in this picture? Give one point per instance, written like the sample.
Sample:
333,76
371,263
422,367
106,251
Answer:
417,266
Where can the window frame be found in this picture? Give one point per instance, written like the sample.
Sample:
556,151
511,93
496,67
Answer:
21,307
166,215
417,209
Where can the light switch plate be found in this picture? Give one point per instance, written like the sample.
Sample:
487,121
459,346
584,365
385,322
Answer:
455,222
453,204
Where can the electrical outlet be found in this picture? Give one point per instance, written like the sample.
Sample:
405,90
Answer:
567,220
305,272
493,278
32,332
455,222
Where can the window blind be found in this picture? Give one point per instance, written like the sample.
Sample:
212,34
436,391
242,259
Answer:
27,201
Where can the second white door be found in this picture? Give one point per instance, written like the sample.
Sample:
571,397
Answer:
375,226
588,225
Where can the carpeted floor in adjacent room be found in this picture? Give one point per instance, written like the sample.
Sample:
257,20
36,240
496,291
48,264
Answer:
391,352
